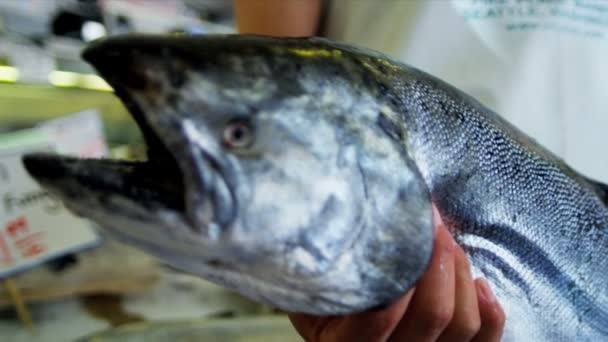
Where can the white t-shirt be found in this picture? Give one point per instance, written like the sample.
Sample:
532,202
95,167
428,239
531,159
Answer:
541,64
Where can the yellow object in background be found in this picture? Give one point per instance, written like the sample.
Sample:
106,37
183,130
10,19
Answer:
76,80
8,74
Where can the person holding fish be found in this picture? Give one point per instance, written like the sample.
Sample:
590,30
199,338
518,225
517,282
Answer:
447,304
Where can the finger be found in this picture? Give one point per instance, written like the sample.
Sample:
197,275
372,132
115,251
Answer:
308,326
437,221
432,306
367,326
370,326
466,321
491,313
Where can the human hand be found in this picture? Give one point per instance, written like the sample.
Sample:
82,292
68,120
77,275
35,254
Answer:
446,305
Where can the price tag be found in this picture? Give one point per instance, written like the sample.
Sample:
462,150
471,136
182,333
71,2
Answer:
34,227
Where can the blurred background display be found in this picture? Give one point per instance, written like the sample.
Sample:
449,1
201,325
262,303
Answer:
41,72
104,290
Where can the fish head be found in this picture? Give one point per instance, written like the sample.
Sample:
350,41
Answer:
272,170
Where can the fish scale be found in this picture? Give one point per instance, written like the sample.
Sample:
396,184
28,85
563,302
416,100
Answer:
554,225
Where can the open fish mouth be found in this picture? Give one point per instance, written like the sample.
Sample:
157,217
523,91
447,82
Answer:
182,176
156,182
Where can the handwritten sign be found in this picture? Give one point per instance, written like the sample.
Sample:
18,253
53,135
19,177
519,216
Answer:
35,227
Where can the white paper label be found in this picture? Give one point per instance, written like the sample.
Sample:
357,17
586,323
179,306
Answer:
80,134
35,227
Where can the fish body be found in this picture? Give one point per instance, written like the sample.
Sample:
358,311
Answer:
301,173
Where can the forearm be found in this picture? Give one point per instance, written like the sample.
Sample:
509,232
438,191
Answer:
287,18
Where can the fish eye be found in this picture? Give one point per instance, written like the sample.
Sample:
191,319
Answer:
238,134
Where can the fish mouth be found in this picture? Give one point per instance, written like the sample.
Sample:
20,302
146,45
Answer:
153,183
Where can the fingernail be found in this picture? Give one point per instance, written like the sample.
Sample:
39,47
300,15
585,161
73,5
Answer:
438,227
485,291
437,221
445,240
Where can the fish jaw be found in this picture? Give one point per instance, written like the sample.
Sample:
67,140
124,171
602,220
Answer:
121,193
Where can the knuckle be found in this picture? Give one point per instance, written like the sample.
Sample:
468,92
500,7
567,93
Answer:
383,324
435,319
499,317
389,322
469,328
314,332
